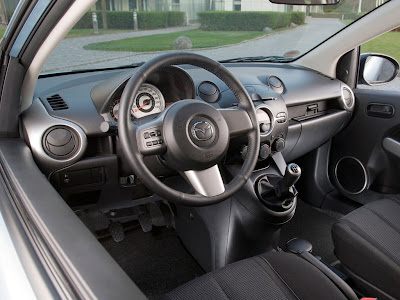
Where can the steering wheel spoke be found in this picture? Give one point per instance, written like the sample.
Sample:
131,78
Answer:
237,119
206,182
149,138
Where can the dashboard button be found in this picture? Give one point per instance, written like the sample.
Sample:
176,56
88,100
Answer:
146,135
278,145
264,127
148,144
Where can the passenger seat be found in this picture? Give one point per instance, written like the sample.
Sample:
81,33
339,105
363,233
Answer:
367,242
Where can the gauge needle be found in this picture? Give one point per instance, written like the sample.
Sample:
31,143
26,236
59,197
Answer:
144,104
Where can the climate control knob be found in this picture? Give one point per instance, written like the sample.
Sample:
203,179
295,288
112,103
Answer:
265,151
278,145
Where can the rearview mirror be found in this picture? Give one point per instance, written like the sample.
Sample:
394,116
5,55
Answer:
377,69
306,2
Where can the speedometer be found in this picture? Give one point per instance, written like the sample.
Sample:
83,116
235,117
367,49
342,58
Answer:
148,101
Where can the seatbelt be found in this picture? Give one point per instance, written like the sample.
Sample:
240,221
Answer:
340,283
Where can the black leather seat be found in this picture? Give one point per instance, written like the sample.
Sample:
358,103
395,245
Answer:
274,275
367,242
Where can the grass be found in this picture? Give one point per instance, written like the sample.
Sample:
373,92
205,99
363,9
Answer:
89,32
160,42
82,32
388,43
2,30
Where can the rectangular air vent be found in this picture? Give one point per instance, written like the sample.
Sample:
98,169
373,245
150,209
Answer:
57,102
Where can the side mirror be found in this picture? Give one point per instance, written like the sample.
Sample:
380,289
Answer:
376,69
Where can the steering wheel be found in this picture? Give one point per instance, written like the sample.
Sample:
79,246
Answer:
191,136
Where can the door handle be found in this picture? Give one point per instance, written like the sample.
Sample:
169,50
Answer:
380,110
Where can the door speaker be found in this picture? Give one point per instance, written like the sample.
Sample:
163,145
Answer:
351,175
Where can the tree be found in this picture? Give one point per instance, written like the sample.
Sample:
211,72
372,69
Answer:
103,14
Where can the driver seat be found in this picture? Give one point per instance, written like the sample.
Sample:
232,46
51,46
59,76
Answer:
273,275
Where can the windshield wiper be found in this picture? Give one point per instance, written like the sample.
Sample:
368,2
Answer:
272,58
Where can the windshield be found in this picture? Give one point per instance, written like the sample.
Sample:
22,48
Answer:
128,32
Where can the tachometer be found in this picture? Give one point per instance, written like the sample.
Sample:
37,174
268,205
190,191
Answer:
114,109
148,101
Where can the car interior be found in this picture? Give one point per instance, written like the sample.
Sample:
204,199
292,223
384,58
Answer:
187,178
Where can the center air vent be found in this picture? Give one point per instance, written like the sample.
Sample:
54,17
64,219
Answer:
60,142
57,102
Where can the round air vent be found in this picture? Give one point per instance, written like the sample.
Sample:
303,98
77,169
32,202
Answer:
276,84
208,91
351,175
60,142
347,99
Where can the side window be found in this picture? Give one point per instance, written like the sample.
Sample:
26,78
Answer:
388,44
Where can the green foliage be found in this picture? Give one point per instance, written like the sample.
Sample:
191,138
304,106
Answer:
386,44
176,18
297,17
124,19
242,21
152,19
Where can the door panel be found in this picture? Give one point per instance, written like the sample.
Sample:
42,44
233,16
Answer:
371,145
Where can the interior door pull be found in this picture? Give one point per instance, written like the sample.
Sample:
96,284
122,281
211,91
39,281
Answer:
380,110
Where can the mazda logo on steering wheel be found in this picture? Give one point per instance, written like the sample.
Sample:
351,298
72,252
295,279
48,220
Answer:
202,131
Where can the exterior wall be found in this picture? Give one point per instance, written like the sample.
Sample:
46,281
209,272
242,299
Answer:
193,7
261,5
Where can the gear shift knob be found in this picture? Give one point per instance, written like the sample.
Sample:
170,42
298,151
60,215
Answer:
292,174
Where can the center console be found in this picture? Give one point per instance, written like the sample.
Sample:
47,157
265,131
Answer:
243,226
248,223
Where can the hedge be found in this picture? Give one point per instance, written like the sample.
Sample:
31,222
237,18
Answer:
124,19
244,21
297,17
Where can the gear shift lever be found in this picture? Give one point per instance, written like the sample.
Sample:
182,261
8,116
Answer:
279,193
292,174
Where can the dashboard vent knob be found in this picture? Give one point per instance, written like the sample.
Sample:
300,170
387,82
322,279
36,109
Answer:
60,142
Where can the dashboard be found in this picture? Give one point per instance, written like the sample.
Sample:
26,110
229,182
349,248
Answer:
298,109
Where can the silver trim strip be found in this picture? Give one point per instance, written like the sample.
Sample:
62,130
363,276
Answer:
14,284
207,182
391,145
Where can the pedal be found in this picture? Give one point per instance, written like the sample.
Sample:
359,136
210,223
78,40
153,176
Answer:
117,231
168,216
145,221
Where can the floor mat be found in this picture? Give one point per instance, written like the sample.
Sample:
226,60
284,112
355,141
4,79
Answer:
156,261
314,225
